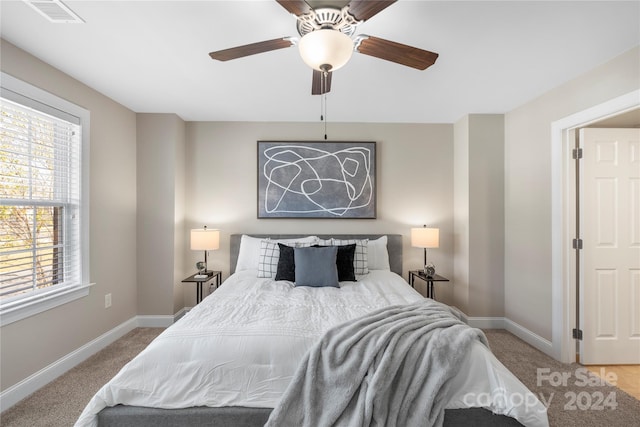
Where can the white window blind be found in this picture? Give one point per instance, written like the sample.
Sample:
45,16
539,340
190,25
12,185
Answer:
40,202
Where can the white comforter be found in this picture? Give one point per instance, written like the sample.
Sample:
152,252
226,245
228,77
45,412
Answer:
242,345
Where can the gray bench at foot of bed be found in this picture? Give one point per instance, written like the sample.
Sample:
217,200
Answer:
133,416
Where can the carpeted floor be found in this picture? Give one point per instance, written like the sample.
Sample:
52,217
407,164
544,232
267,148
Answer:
575,401
59,403
574,396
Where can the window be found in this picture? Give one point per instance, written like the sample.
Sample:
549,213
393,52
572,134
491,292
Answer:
43,203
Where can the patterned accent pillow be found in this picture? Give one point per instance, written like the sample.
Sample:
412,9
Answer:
270,255
360,261
268,260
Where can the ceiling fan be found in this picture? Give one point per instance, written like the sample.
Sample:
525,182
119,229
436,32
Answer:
327,40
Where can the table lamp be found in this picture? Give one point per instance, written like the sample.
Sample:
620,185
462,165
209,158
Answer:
426,238
203,239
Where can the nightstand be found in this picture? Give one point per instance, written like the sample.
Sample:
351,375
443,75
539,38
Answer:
429,279
200,281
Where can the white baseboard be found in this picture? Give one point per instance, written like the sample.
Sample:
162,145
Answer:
155,321
529,337
181,313
486,322
520,331
460,314
44,376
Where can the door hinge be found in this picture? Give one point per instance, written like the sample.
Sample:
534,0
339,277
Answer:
577,243
577,153
577,334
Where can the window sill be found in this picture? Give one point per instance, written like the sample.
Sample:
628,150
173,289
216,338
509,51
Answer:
36,306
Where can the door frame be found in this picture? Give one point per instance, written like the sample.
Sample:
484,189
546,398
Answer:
563,218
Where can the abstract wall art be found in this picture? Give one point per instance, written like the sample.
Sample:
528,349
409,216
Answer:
316,179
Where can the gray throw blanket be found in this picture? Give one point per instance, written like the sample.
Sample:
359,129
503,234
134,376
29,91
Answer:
389,368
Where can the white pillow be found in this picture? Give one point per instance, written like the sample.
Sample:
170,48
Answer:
360,263
377,254
308,239
249,253
270,253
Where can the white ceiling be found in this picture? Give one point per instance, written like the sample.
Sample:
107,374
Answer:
152,56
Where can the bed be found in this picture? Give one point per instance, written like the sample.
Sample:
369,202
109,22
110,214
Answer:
229,360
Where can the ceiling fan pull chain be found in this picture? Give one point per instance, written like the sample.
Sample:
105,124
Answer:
321,100
325,115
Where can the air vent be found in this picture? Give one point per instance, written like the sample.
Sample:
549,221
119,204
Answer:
55,11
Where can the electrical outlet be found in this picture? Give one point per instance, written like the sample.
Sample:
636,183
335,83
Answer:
107,301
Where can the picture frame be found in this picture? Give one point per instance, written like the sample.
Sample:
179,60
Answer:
317,179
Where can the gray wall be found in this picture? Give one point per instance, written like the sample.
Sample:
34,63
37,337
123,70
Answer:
479,215
528,184
160,226
31,344
414,184
461,250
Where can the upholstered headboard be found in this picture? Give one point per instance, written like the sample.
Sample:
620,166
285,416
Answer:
394,246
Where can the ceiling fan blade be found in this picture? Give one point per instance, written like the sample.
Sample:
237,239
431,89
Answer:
318,87
365,9
251,49
396,52
297,7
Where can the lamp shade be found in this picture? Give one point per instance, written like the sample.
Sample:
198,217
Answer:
325,50
425,237
204,239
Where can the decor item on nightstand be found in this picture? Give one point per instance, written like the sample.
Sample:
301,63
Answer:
202,267
203,239
426,238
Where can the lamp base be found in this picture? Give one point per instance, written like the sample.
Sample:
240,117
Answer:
204,273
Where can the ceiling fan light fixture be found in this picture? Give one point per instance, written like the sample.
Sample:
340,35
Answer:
325,49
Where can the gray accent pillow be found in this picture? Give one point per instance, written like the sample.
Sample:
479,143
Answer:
344,262
316,267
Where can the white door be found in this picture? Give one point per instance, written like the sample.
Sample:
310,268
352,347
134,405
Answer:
610,259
